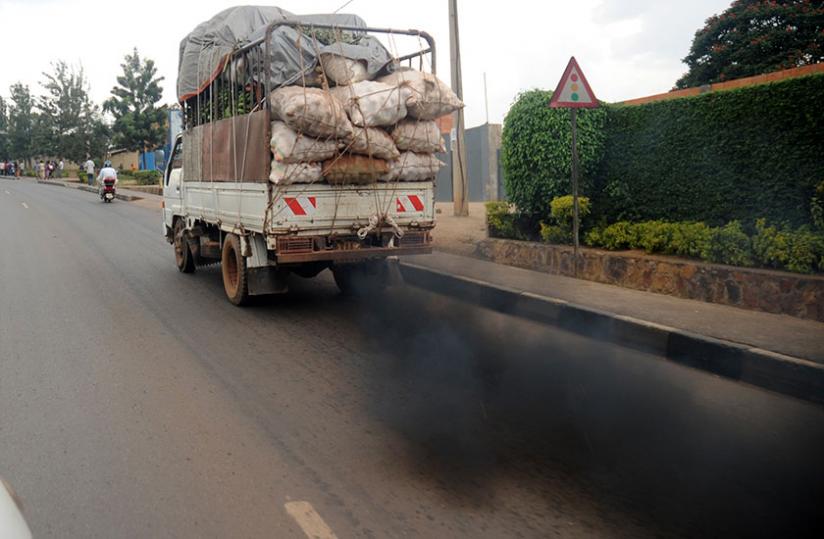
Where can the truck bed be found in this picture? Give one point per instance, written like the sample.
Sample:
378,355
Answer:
308,209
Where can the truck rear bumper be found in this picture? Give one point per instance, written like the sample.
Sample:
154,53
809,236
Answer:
353,255
301,249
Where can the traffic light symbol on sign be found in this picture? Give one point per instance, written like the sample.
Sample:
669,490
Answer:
573,90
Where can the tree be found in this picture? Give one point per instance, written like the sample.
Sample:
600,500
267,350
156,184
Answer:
139,124
4,129
70,124
753,37
21,122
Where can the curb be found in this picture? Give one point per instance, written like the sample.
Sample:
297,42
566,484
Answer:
783,374
81,187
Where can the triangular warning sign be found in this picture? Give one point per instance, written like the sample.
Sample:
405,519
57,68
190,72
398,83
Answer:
573,91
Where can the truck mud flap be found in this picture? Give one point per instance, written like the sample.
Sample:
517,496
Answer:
266,281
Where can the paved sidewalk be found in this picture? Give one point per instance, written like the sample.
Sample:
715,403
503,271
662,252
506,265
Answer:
786,335
458,235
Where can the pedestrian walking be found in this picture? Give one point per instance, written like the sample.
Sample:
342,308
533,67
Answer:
89,166
41,170
60,166
2,168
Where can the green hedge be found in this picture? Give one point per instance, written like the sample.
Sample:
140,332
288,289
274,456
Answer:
536,152
143,177
723,156
800,250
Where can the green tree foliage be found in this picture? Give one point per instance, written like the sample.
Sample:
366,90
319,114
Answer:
139,124
21,121
719,157
536,151
70,125
4,129
753,37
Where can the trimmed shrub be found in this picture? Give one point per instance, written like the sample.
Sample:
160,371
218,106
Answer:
536,151
732,155
817,206
729,244
502,221
562,213
143,177
800,250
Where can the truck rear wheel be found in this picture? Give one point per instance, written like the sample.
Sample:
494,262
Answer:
183,255
233,268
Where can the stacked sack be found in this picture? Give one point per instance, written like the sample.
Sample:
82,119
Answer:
359,131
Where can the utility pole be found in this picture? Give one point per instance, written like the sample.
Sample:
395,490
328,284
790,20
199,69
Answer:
460,186
486,100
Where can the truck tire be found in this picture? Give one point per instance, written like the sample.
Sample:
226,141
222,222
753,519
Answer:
183,255
233,268
362,279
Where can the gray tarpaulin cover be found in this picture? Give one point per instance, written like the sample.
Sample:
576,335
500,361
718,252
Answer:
205,49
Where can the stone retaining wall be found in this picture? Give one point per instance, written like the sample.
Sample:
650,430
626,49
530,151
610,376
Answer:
777,292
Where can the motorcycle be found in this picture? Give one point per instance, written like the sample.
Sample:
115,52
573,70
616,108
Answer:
108,192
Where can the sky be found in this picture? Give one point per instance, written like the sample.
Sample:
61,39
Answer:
626,48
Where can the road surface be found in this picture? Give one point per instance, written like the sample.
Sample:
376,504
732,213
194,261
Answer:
137,402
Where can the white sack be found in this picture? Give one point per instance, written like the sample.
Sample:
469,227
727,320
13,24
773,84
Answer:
311,111
430,97
288,146
414,167
372,104
342,70
419,137
374,142
284,174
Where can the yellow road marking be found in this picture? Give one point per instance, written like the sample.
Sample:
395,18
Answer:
309,520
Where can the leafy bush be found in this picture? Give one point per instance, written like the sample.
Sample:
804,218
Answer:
562,209
536,151
143,177
615,237
562,213
681,239
718,157
800,250
817,206
729,244
502,221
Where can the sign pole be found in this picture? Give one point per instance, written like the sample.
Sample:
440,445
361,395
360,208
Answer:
573,92
575,217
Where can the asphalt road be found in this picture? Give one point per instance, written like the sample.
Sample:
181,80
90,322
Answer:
137,402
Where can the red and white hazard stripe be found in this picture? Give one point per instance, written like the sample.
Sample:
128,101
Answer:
302,206
409,204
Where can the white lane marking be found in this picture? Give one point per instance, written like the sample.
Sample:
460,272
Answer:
25,205
309,520
7,192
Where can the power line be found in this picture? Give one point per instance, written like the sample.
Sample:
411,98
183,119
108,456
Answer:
343,6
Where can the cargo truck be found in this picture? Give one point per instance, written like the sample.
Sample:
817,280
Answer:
221,201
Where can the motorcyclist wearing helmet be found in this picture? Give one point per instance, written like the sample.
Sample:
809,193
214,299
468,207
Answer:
105,173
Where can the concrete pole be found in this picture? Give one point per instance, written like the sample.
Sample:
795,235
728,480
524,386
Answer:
460,186
486,100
